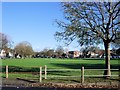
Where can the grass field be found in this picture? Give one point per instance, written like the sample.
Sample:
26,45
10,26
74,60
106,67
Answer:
32,65
59,63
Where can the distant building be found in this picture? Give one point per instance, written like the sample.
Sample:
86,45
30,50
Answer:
10,55
2,54
74,54
92,54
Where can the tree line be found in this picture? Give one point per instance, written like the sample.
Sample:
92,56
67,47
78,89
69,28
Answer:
24,50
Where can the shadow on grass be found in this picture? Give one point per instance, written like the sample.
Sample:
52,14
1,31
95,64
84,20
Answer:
98,59
30,81
103,79
21,69
60,65
86,66
92,58
59,73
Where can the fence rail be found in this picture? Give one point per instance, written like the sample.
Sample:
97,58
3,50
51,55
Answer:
101,69
100,75
44,73
63,69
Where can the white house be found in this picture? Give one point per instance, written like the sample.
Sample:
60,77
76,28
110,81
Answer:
2,54
10,55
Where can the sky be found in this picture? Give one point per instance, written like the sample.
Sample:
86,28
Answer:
33,22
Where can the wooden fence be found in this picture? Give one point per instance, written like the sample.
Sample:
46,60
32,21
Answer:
82,70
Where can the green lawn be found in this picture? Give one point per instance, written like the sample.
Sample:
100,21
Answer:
59,63
32,65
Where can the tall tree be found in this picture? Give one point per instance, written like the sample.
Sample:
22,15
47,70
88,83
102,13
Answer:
116,43
91,23
118,51
3,41
24,48
59,51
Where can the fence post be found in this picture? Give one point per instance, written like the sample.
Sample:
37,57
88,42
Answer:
40,78
82,75
6,71
45,72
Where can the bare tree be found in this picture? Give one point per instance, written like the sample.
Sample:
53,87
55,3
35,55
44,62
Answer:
24,48
116,43
48,52
3,41
88,49
91,23
59,51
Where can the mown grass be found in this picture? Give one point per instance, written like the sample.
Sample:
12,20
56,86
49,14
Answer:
58,63
32,65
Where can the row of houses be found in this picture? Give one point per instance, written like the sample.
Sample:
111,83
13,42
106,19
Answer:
3,54
90,54
77,54
69,54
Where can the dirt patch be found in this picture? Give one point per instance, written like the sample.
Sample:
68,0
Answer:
25,83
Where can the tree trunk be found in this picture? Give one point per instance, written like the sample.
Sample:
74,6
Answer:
107,72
